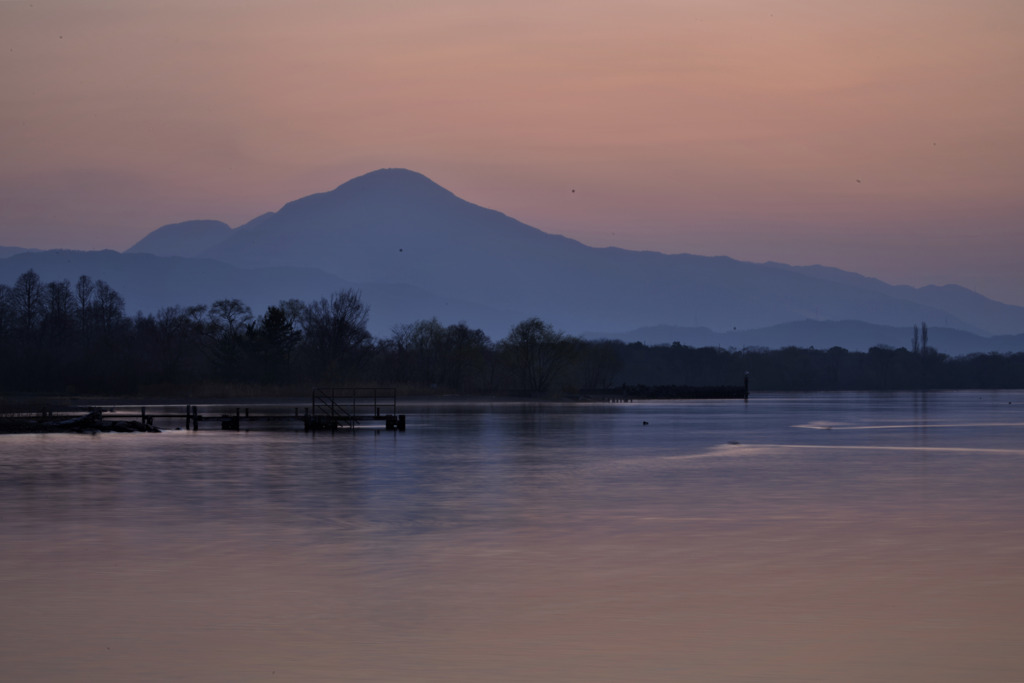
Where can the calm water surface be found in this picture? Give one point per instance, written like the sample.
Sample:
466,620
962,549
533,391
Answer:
834,537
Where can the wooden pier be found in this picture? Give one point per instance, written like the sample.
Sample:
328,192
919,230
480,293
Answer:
330,409
335,408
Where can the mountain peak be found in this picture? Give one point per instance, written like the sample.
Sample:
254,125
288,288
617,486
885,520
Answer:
393,181
386,189
392,175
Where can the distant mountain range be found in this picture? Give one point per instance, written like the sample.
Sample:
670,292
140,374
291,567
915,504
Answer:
852,335
416,251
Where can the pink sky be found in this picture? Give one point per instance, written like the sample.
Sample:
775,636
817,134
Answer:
883,138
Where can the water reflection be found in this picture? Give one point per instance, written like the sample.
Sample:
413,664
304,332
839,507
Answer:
831,537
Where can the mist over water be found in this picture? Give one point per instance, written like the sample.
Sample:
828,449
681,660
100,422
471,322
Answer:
835,537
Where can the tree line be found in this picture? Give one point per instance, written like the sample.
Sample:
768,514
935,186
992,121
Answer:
75,338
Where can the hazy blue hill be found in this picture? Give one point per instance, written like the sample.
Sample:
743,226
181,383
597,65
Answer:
398,226
964,304
149,283
11,251
724,294
859,336
977,311
190,238
395,228
852,335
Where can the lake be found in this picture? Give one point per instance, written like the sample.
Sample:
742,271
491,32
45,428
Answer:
823,537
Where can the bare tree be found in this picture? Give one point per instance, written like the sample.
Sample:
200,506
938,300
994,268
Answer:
272,339
108,307
335,334
59,314
27,299
7,318
230,316
538,353
84,289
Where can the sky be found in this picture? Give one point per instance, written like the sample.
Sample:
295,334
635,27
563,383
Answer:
886,138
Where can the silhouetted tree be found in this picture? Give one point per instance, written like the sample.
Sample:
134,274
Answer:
84,289
107,308
335,335
27,300
272,340
230,316
59,314
467,359
227,321
420,349
7,315
172,342
55,337
429,354
599,363
538,354
293,310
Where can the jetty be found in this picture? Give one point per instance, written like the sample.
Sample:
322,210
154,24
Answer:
330,409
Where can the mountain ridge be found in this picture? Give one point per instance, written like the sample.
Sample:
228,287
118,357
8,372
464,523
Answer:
148,283
852,335
398,228
188,238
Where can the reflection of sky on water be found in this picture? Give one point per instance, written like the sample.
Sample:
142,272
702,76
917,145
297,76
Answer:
720,541
500,465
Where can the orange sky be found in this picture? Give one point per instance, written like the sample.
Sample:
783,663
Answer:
736,127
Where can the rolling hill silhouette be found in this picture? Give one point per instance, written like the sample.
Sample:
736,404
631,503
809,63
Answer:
417,251
398,226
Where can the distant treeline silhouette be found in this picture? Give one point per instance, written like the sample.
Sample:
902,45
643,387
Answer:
64,338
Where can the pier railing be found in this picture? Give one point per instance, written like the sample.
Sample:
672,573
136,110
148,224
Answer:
347,406
332,408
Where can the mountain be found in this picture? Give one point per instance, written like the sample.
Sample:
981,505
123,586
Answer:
958,301
397,226
188,239
5,252
149,283
852,335
417,251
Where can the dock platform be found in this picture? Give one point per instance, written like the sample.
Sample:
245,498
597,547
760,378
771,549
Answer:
330,409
